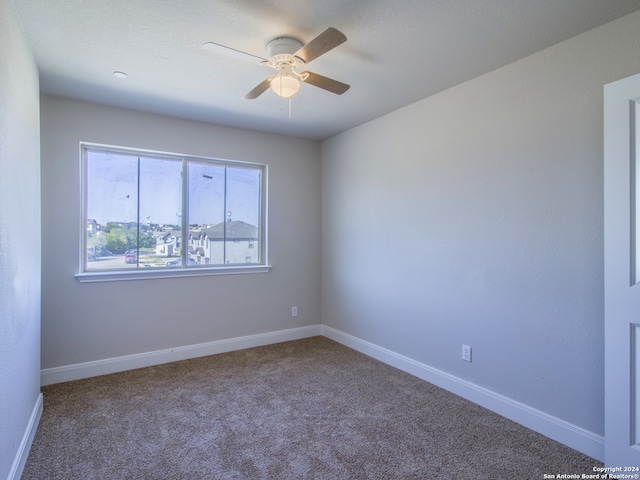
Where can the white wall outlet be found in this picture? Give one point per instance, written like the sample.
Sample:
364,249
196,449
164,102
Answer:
466,353
294,311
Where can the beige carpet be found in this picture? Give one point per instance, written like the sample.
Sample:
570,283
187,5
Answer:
308,409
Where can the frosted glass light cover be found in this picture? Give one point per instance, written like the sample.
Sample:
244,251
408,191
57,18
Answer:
285,86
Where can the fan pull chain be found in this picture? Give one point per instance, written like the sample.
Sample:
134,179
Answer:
289,108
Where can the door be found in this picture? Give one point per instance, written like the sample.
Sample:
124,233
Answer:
622,273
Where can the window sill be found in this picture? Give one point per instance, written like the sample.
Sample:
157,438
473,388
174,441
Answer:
112,276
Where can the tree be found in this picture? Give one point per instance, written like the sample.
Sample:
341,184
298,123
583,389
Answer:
119,240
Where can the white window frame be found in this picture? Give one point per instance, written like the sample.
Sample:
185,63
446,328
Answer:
85,275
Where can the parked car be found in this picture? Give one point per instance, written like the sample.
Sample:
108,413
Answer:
130,256
178,262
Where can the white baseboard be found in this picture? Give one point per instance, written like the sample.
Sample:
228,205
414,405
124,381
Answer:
564,432
67,373
27,439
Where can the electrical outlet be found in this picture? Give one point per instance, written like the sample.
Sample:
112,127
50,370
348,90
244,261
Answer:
294,311
466,353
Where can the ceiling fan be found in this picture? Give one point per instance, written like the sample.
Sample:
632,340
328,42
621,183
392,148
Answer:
288,57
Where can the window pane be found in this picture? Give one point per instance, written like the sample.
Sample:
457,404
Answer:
130,200
160,207
224,215
206,209
112,209
243,216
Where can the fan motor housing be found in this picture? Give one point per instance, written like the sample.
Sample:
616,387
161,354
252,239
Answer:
283,46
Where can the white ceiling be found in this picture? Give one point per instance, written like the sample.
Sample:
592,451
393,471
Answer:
397,52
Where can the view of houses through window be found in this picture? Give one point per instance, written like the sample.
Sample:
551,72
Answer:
164,211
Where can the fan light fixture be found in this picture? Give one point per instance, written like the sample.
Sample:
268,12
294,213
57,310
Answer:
285,85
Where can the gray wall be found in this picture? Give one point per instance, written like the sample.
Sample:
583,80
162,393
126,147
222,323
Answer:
19,238
93,321
475,216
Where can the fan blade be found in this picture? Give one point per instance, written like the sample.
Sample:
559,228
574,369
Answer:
259,89
326,83
230,52
320,45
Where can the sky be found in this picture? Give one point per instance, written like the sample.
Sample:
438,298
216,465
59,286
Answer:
112,190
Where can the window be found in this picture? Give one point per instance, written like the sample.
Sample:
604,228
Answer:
152,214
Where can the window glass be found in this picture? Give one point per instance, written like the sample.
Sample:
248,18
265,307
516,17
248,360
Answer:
140,213
112,210
243,206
